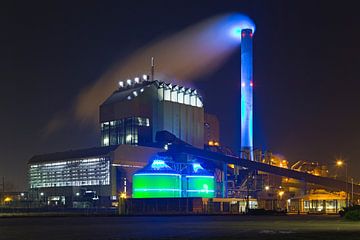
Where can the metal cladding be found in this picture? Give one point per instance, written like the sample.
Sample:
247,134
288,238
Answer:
200,183
157,181
247,89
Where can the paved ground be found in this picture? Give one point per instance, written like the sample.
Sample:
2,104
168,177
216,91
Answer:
179,227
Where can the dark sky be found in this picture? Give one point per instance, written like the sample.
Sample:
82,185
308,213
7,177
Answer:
306,72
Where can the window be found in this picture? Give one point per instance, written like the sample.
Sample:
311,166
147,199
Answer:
80,172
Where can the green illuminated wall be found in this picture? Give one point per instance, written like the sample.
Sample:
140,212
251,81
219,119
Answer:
200,186
153,185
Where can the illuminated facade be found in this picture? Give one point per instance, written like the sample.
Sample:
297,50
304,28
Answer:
140,108
247,90
86,177
79,172
159,180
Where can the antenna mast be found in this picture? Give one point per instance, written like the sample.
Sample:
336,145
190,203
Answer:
152,68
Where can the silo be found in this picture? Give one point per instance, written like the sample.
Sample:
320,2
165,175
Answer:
157,180
199,182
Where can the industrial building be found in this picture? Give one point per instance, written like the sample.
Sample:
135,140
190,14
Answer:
129,122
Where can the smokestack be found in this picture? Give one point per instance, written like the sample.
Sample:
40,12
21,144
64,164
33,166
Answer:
247,92
152,69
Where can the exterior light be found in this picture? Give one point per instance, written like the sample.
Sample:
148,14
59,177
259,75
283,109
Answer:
267,188
137,80
128,138
77,194
128,82
166,147
123,195
339,163
41,194
22,194
242,84
281,193
142,90
216,144
129,98
135,93
211,143
121,84
145,77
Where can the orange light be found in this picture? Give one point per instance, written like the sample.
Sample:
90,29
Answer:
339,163
8,199
211,143
216,144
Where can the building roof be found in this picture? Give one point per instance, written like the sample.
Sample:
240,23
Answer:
73,154
130,89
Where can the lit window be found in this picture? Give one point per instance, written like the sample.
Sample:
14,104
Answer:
187,99
181,97
174,97
193,100
106,141
167,94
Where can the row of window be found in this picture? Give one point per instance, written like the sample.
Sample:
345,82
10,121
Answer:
131,131
81,172
178,96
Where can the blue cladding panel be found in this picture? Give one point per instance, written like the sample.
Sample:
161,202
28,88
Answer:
246,89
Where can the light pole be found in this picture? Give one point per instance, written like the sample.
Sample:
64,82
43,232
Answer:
340,163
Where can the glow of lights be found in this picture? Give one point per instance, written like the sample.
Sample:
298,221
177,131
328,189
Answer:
135,93
158,164
145,77
251,84
216,144
240,22
267,188
77,194
281,193
158,174
246,99
121,84
142,90
106,141
339,163
41,194
137,80
196,167
123,195
191,176
128,138
166,147
200,186
129,98
211,143
156,185
22,194
8,199
128,82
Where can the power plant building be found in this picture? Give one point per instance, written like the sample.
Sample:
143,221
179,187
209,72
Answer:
139,109
129,121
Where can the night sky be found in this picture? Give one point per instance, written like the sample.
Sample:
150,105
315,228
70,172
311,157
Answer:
306,72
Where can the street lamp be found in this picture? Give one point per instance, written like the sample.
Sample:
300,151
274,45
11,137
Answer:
340,163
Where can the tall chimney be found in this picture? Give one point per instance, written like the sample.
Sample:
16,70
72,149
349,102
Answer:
247,92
